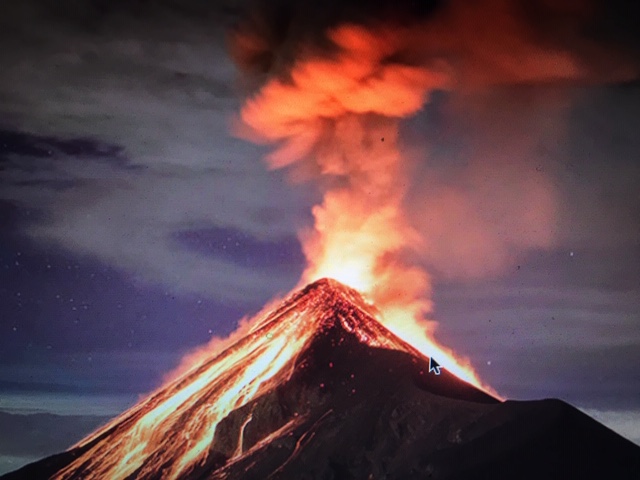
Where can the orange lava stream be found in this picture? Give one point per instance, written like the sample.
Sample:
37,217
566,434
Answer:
185,413
173,430
404,320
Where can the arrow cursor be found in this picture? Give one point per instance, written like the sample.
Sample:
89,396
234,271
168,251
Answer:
434,366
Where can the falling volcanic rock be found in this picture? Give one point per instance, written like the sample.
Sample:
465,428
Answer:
349,401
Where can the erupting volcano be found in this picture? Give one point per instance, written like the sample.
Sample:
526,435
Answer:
320,389
333,384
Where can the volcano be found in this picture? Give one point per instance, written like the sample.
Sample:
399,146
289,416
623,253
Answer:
319,389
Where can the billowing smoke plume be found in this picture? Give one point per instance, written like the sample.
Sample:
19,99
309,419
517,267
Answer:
341,110
335,81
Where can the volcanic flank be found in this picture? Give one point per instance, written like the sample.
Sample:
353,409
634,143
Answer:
319,389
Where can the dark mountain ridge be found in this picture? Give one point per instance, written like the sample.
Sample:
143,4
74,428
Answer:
356,402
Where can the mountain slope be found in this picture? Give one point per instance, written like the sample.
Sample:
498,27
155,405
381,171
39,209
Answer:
321,390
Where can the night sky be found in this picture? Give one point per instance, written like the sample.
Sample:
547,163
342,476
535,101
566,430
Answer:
134,225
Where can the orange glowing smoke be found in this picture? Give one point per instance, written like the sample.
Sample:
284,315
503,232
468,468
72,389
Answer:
341,110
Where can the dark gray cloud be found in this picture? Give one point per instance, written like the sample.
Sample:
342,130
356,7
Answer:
150,83
486,41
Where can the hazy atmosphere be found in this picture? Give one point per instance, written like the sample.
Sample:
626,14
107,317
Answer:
139,218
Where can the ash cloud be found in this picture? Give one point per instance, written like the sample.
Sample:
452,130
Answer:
510,72
153,78
446,144
482,42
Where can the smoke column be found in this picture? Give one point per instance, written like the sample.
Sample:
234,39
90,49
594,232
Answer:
342,111
335,81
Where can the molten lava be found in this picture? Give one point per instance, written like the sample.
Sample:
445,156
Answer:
172,430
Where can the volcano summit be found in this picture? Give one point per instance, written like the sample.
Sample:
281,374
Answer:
319,389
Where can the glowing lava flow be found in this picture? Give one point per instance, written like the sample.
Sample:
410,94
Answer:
405,321
173,429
